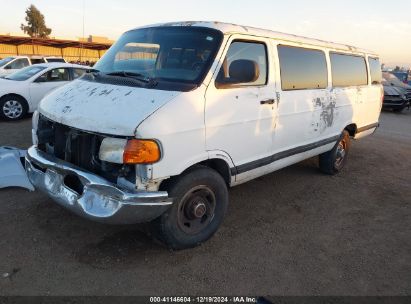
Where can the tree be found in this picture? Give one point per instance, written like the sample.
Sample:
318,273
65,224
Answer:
36,25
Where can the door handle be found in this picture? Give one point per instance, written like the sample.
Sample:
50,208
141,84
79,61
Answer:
267,101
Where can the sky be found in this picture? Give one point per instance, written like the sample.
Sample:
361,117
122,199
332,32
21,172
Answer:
376,25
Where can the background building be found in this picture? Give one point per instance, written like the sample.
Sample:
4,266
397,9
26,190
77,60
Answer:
89,49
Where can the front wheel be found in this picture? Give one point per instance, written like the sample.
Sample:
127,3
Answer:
13,108
200,204
332,162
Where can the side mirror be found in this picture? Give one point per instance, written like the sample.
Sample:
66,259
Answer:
243,71
239,71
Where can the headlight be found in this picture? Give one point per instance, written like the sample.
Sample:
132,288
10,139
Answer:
35,120
134,151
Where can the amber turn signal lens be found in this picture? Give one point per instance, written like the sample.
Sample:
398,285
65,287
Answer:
138,151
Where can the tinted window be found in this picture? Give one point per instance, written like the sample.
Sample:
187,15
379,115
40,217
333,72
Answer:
78,73
375,70
18,64
37,60
55,60
251,52
4,61
302,68
54,75
348,70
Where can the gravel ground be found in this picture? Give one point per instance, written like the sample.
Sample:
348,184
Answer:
293,232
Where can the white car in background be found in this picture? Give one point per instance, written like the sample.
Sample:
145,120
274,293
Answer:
12,64
22,91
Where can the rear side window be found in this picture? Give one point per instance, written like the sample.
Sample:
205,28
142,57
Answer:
375,70
55,60
348,70
243,52
302,68
37,61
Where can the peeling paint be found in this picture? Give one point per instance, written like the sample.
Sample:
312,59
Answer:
324,114
103,108
105,92
92,92
327,115
66,109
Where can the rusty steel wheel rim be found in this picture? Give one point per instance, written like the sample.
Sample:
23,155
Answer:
341,153
196,210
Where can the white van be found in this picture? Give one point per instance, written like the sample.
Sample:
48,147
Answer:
175,114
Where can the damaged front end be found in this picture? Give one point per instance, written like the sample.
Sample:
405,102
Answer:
12,172
64,163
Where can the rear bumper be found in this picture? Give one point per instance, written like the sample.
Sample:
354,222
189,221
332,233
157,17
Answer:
94,198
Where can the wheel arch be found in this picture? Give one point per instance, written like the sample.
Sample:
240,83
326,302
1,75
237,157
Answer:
221,166
16,95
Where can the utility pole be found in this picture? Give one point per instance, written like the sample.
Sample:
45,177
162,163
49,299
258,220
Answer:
82,44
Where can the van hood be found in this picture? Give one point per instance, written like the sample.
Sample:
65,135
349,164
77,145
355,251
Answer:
103,108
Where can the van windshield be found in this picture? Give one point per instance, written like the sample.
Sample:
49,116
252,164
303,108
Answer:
179,55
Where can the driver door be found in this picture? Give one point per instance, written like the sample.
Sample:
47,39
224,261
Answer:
241,116
48,82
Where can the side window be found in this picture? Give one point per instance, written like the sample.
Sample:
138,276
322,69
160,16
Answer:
375,70
245,65
37,61
54,75
348,70
302,68
18,64
78,73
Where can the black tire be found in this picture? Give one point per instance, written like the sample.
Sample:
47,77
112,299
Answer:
200,204
332,162
13,107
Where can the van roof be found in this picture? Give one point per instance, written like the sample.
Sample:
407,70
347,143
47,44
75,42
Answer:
228,28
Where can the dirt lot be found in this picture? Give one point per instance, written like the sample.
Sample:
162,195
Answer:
294,232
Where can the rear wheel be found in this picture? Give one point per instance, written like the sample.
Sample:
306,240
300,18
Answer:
333,162
13,108
200,204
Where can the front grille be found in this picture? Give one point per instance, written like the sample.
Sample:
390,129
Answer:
389,99
78,148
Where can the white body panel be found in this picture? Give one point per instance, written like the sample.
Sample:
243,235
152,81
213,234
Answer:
103,108
225,124
4,72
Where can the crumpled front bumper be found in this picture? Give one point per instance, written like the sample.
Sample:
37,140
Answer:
94,198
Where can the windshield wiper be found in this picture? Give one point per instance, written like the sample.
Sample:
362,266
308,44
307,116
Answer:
137,76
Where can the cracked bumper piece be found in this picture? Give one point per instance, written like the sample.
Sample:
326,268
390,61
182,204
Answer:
93,197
